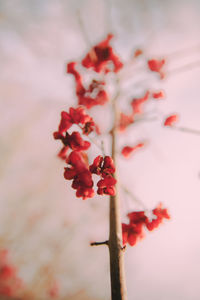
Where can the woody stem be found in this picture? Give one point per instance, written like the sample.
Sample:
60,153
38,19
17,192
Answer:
118,285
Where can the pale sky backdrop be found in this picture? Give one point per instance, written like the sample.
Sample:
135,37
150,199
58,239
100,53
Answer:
47,229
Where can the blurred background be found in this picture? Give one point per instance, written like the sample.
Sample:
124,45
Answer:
44,228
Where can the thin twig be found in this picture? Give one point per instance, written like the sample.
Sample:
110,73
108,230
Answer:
99,243
134,198
86,38
186,67
181,52
103,148
184,129
94,142
82,27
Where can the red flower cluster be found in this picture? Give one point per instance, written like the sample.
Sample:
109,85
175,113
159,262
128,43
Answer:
82,178
134,231
74,141
127,150
100,56
137,108
10,283
105,168
94,95
156,65
169,121
75,116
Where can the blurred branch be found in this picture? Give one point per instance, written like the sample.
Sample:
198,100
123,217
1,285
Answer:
185,129
184,51
186,67
134,198
82,27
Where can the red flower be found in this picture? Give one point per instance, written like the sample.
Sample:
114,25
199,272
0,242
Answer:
6,290
126,151
105,168
7,272
137,217
63,152
106,186
3,256
85,192
10,283
65,124
169,121
160,213
134,231
96,167
75,141
125,121
75,116
94,95
137,103
75,159
88,101
138,52
158,95
54,290
156,65
99,57
82,177
108,166
102,166
79,85
79,116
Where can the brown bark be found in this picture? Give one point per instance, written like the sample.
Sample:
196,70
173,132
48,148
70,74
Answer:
118,285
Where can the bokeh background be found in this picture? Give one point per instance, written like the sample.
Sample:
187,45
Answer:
47,230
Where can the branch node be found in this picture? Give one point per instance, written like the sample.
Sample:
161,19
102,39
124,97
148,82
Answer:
123,248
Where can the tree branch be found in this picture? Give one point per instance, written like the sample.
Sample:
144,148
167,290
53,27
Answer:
118,285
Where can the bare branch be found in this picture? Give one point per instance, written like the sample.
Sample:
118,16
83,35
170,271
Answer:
99,243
